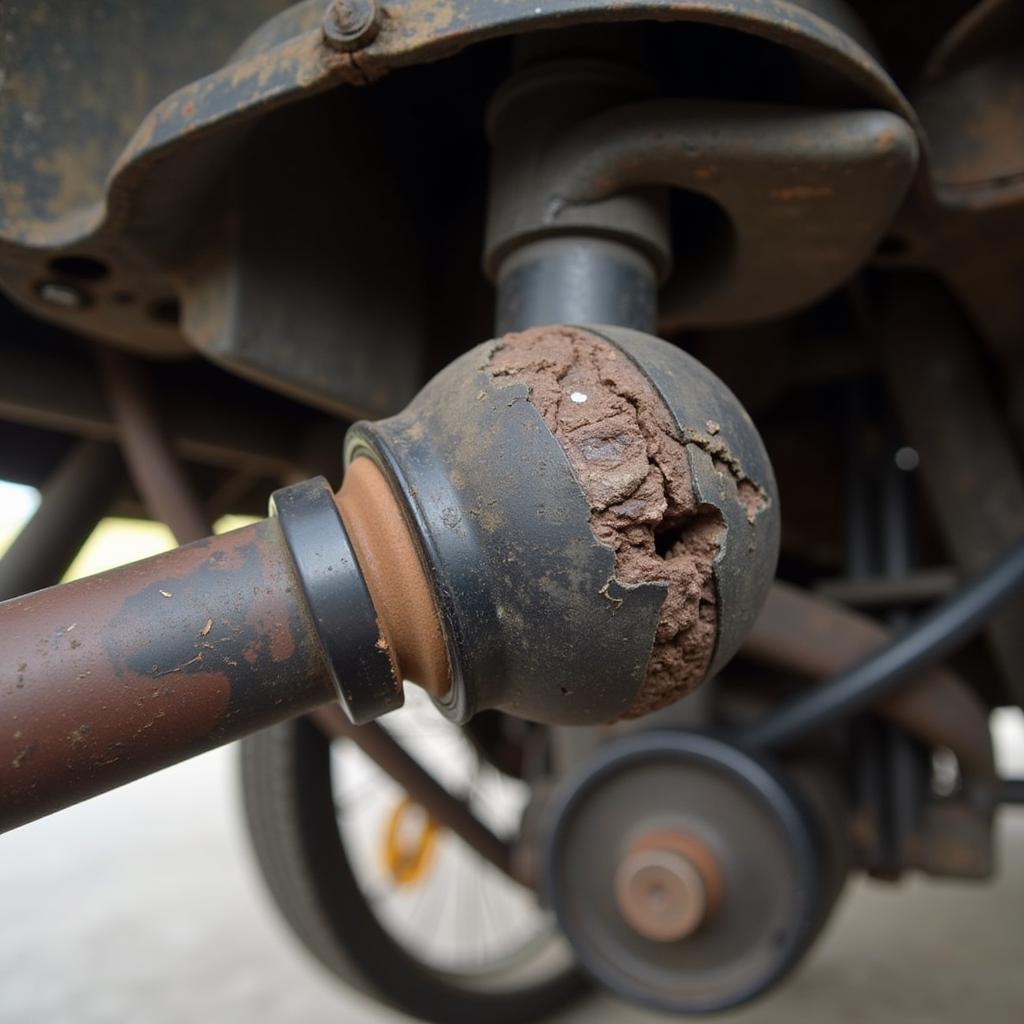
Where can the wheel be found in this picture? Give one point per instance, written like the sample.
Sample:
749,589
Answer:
689,876
452,940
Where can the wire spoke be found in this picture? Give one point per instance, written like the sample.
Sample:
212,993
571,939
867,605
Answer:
466,917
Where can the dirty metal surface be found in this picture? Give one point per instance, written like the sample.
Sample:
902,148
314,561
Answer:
309,279
505,536
808,194
731,471
288,60
116,675
78,80
968,224
133,205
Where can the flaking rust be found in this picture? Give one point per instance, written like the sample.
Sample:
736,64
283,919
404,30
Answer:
621,443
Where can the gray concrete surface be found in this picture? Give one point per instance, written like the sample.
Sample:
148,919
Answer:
143,905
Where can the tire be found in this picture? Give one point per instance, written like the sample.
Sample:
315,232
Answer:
292,819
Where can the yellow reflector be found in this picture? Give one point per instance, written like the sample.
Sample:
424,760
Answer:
408,846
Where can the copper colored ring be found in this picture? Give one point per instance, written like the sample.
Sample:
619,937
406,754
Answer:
687,872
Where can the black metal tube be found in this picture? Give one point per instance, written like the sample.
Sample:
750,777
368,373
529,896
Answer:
932,638
576,280
74,499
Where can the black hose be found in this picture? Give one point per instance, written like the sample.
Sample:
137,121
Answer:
936,635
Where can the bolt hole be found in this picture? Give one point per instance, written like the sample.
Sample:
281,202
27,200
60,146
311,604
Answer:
84,268
165,311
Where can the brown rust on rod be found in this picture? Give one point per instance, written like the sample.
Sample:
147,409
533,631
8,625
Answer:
111,677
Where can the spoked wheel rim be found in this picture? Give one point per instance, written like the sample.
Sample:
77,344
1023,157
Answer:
463,918
303,847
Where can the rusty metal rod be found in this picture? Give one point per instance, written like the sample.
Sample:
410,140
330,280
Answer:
74,499
924,644
155,470
111,677
393,759
919,586
812,637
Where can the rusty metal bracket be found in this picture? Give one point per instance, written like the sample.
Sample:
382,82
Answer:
965,220
807,195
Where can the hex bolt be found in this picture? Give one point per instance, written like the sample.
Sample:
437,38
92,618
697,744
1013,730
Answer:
351,24
57,293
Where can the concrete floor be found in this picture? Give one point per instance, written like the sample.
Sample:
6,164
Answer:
143,905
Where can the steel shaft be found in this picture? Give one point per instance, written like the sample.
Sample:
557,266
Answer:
111,677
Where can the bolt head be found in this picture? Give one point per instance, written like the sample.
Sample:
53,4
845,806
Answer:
351,24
